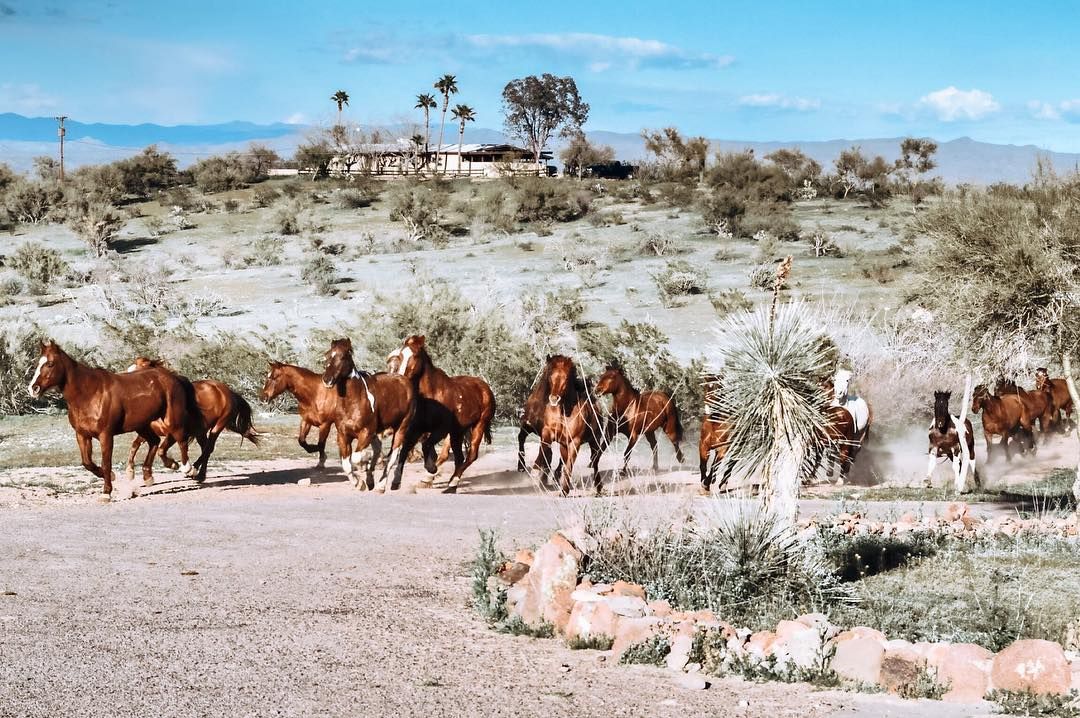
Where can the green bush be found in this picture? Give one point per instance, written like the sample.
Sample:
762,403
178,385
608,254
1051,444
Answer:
420,207
546,200
264,195
762,277
353,199
486,564
41,266
729,301
319,271
98,225
222,174
285,221
266,252
19,352
650,652
31,202
181,197
679,279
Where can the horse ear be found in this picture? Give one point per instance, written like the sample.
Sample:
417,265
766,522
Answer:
420,341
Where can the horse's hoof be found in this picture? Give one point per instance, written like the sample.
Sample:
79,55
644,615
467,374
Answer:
703,491
147,480
130,473
104,498
450,489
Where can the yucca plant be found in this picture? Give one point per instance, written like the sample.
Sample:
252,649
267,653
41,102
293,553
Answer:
773,361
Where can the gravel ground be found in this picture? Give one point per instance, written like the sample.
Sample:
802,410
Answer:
258,597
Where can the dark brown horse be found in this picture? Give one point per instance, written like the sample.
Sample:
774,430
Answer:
317,402
368,404
1004,416
102,405
945,439
715,439
570,419
469,400
219,406
1059,392
1039,403
635,413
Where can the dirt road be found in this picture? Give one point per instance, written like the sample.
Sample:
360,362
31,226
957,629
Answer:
255,596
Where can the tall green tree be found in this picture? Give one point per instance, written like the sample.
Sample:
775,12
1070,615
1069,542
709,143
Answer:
534,108
341,99
463,114
446,85
426,101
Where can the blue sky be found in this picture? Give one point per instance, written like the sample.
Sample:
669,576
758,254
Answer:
995,71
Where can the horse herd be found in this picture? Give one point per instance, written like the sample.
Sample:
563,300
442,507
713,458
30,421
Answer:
415,403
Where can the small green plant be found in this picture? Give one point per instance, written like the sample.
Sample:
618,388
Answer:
264,196
650,652
97,224
517,627
677,280
598,642
658,245
925,685
319,271
41,266
286,222
485,565
353,199
266,252
729,301
231,206
1029,704
763,277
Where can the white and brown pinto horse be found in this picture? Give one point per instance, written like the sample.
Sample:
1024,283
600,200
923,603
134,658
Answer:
952,440
847,425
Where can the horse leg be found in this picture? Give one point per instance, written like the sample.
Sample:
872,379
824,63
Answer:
631,441
706,474
375,448
989,443
106,441
136,443
651,438
345,452
152,442
86,451
1005,445
523,434
163,448
673,435
930,466
431,461
569,452
843,457
444,454
396,458
455,439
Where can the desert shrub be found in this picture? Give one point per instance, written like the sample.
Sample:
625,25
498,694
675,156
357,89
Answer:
679,279
148,172
584,259
756,181
264,195
155,225
98,225
319,271
856,557
762,276
31,202
10,288
676,194
39,265
738,563
419,208
878,271
824,245
19,352
485,566
658,245
231,206
222,173
1024,703
286,222
768,247
181,197
722,210
353,199
266,251
729,301
650,652
544,200
492,207
775,220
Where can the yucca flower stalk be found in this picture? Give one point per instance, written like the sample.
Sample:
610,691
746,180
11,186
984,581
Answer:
773,361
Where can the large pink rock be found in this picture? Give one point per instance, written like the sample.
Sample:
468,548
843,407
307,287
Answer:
629,631
858,659
797,645
760,644
860,632
622,588
679,656
1032,665
591,619
548,585
964,667
900,666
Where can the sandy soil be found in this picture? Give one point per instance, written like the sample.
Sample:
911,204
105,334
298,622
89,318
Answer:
256,596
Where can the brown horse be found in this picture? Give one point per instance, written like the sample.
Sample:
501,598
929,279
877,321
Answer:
570,419
317,402
1059,392
219,406
367,405
102,404
715,439
636,413
945,439
468,398
1003,416
847,421
1039,403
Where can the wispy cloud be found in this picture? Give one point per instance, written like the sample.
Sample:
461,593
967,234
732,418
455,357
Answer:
25,99
951,104
604,52
775,101
1068,110
6,11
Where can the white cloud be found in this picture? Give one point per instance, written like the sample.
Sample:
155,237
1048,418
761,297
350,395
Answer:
1068,110
780,102
606,51
296,118
951,104
25,99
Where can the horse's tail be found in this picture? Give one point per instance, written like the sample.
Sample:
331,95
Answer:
240,421
487,433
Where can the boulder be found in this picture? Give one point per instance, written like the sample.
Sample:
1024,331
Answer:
691,681
954,511
629,606
797,645
622,588
590,619
860,632
1032,665
658,608
512,572
964,667
900,667
679,656
760,644
524,555
549,584
858,659
629,631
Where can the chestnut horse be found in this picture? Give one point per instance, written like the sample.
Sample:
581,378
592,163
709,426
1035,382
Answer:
847,426
945,440
102,404
1004,416
221,408
469,400
570,419
636,413
317,402
1059,392
715,439
368,404
1039,403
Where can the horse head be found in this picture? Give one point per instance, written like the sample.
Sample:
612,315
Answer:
942,418
411,356
276,381
393,361
51,370
339,362
562,380
979,397
610,380
841,385
1042,378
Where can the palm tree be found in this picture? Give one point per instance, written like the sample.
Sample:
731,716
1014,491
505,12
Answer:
342,99
463,114
426,102
419,144
447,85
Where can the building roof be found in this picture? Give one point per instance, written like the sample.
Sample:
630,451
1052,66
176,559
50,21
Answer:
447,148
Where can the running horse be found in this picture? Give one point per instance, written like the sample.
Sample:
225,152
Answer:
368,404
317,402
847,425
102,405
715,439
945,442
1004,416
570,419
219,406
1038,403
636,413
468,399
1059,392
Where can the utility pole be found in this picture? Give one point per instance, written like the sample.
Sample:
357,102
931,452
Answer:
61,131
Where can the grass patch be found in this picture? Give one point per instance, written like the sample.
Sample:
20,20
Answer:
1018,703
514,626
591,643
650,652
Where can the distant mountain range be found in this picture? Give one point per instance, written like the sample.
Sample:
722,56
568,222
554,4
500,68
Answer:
23,138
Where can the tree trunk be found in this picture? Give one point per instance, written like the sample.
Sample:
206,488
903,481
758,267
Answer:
1066,364
780,489
442,128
